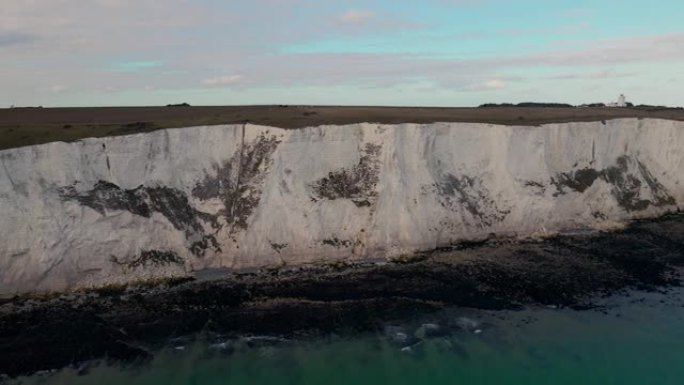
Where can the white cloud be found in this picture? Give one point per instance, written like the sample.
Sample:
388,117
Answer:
356,16
228,80
495,84
57,88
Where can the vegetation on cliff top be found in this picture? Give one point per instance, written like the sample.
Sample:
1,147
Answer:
29,126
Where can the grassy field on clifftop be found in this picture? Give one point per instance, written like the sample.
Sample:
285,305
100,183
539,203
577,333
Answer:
28,126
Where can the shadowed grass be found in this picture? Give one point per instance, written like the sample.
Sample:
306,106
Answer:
29,126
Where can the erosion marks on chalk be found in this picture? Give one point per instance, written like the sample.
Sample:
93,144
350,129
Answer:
634,187
357,183
627,187
341,243
468,193
145,201
238,183
150,258
277,247
578,180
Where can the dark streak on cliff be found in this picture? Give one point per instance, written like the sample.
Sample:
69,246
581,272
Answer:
357,183
339,243
628,176
238,183
278,246
151,258
469,193
145,201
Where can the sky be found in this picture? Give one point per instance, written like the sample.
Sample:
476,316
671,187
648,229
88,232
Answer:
339,52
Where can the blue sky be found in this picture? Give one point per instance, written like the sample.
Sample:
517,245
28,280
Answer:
343,52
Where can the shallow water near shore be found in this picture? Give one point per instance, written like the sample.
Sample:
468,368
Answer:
631,338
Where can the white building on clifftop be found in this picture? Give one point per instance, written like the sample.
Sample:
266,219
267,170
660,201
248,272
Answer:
621,102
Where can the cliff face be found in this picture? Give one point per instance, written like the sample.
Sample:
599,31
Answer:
121,209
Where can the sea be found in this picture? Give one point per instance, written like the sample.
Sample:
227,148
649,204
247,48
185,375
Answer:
634,337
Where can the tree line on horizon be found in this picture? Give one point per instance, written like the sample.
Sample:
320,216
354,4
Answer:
565,105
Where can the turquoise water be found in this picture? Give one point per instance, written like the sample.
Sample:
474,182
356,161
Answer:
635,339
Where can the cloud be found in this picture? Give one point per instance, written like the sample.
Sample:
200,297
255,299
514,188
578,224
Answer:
107,26
559,30
57,88
566,29
136,65
496,82
182,45
227,80
597,75
633,49
15,38
356,16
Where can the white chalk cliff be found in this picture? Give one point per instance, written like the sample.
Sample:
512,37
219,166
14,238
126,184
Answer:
167,203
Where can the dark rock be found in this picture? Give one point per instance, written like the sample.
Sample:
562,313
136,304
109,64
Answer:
338,243
125,324
151,258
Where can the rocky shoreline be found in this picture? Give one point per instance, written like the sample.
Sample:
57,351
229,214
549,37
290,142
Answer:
128,323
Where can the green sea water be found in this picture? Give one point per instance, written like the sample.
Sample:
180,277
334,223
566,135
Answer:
633,339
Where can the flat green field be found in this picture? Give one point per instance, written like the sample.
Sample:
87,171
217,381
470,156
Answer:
27,126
